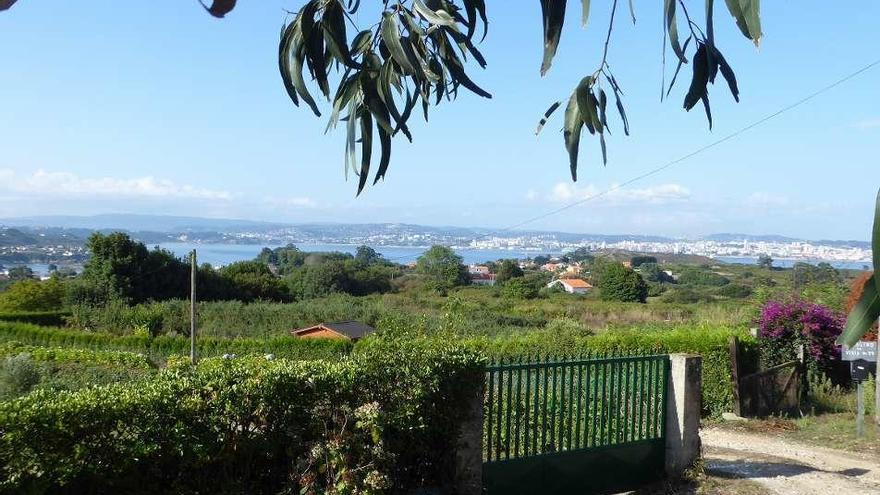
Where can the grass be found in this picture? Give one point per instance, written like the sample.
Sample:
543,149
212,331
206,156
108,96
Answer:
833,430
837,431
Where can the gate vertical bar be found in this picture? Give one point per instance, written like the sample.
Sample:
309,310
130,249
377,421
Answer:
543,445
499,423
489,410
517,430
527,410
562,404
580,403
665,380
509,372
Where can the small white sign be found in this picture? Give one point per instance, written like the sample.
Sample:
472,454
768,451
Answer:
865,351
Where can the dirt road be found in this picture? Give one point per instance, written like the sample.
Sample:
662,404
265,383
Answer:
787,468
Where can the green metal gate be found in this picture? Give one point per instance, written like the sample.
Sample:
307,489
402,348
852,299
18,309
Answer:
590,425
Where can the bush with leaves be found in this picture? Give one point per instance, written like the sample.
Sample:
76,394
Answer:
442,269
18,375
619,283
163,346
32,295
783,326
385,418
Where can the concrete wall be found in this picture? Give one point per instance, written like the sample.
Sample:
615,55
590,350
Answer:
469,448
683,406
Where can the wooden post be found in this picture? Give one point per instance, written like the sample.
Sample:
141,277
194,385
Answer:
192,309
860,410
735,374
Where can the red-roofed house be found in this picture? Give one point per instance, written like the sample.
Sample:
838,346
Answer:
572,285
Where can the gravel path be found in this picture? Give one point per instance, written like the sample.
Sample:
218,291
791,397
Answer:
788,468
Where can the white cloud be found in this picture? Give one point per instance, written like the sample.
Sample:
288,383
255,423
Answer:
765,200
55,184
565,192
532,195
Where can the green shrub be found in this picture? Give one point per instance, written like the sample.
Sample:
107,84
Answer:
385,418
45,318
163,346
72,355
18,375
711,342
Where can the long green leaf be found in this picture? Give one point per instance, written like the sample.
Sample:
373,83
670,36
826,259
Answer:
391,38
700,78
572,133
385,158
298,81
438,17
751,11
553,13
219,8
737,13
862,316
547,115
366,149
672,29
284,51
875,243
585,12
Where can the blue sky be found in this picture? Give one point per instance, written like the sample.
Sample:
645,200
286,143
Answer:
155,107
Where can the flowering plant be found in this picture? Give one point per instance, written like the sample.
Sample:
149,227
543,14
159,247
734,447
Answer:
786,325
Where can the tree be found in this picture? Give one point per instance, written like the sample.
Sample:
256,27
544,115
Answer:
507,270
520,288
21,273
252,281
765,261
652,272
33,295
367,255
619,283
414,49
121,267
442,269
638,261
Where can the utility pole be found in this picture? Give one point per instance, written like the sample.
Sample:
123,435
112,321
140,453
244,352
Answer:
192,309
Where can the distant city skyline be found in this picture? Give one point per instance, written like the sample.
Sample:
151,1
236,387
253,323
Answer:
174,112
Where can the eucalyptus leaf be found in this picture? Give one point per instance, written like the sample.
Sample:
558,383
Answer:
585,12
391,38
219,8
671,26
553,13
366,149
571,132
547,115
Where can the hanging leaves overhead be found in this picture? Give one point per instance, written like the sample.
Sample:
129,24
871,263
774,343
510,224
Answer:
219,8
416,55
417,52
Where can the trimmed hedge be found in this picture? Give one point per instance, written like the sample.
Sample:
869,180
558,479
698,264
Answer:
711,342
384,420
45,318
73,355
163,346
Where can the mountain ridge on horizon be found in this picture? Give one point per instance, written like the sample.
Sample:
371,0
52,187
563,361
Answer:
136,222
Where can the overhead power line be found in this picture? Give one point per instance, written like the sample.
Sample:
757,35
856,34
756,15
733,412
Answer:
682,158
